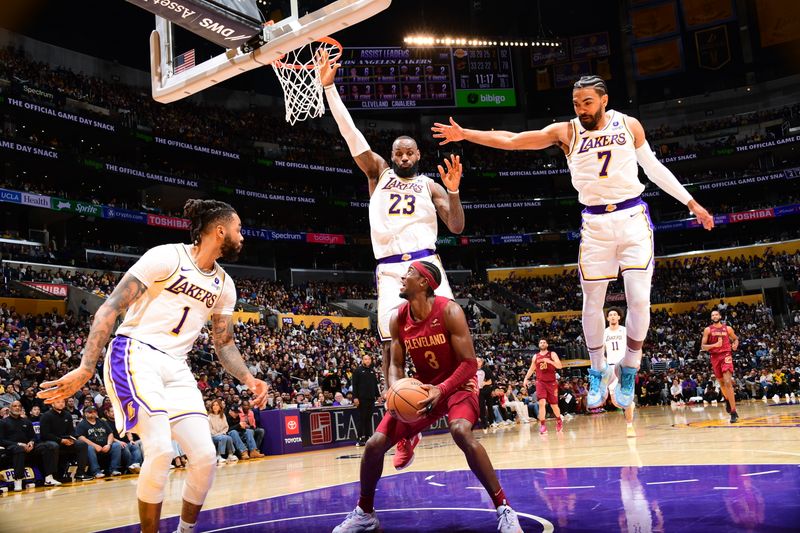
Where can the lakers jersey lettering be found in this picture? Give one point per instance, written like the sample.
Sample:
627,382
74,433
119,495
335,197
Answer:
603,162
402,216
182,286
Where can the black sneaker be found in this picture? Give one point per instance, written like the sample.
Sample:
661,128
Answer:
734,417
727,407
359,444
84,477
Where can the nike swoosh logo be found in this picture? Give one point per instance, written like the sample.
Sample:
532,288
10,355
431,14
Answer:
406,328
185,269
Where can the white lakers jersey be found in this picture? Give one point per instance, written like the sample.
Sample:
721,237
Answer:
402,216
616,342
603,162
179,300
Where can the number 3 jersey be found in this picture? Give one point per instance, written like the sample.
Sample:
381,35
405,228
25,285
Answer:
402,216
427,342
179,299
603,162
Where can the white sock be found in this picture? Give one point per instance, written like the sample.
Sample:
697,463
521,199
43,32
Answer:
598,358
184,527
633,358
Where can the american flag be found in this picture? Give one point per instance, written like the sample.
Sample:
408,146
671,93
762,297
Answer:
183,62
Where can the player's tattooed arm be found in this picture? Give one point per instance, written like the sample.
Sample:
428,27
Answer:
127,291
231,358
228,354
397,354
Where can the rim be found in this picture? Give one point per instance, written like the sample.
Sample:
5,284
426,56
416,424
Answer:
323,40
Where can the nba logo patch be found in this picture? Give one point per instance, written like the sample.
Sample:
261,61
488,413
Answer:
321,430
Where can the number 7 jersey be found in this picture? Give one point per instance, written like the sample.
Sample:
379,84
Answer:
402,217
603,162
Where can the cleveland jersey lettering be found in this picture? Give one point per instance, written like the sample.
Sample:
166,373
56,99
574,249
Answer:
427,342
402,216
603,162
179,300
715,333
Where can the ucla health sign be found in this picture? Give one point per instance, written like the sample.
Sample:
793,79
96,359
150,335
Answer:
13,197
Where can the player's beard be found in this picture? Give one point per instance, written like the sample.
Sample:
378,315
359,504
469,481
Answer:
229,250
404,295
717,321
592,122
409,172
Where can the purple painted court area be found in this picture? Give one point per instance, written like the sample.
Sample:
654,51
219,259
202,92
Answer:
710,498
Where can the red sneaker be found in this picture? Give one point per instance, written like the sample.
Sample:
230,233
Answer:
542,428
559,425
404,454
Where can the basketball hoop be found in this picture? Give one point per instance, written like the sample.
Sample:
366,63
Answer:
298,72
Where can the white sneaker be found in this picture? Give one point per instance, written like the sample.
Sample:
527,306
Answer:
507,521
116,473
135,468
776,398
99,475
221,461
357,521
232,458
17,485
50,481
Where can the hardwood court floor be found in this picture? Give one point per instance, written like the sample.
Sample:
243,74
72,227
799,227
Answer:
767,434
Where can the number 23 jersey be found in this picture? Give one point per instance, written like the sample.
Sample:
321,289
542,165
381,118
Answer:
402,216
179,299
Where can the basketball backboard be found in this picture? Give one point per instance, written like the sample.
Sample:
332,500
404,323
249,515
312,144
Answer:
252,47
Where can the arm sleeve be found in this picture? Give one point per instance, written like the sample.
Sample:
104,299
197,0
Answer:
355,139
661,175
465,371
157,264
227,300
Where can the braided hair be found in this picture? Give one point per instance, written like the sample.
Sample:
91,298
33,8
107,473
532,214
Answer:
594,82
204,213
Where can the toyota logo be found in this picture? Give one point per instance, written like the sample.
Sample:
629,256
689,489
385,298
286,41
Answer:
291,424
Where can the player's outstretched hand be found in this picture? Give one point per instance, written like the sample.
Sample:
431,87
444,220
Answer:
63,388
327,69
451,178
427,405
703,217
260,389
449,132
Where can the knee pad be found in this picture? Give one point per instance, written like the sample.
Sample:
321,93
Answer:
200,472
155,469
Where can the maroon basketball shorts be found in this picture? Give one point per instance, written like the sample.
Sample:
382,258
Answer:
547,390
460,404
722,363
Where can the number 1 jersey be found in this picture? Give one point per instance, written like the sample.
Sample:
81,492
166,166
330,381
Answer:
402,217
179,299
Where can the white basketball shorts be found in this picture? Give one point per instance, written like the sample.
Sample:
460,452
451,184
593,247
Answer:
619,240
139,376
388,279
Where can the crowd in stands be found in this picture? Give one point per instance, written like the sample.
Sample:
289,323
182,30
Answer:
218,127
675,280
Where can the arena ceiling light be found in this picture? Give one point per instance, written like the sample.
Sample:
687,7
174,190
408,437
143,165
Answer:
431,40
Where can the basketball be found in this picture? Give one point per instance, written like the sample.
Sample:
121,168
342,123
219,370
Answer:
403,399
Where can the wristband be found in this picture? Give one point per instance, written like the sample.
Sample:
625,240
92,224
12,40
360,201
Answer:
451,192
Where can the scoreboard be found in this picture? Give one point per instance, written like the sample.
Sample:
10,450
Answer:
402,78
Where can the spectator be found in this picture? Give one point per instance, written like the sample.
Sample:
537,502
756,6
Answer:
248,420
219,434
131,450
243,439
365,391
56,426
19,439
100,442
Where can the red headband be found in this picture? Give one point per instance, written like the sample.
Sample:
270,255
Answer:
425,273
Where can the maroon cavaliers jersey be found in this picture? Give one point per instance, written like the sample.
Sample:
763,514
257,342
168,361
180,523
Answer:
545,371
427,342
716,332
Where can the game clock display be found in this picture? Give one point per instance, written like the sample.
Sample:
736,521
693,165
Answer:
435,77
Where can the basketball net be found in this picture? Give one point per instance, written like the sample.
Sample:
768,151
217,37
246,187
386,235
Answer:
298,72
